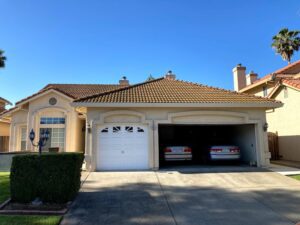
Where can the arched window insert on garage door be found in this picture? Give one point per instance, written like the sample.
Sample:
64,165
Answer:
116,129
129,129
140,130
105,130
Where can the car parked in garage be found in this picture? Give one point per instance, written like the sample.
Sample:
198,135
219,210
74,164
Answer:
177,153
224,152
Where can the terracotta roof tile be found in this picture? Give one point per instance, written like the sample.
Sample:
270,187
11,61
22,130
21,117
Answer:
75,91
292,82
293,68
164,90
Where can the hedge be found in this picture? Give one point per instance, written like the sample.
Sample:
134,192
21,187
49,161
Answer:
52,177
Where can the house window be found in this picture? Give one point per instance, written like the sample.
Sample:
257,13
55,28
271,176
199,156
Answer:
56,127
56,138
285,92
265,91
52,120
23,132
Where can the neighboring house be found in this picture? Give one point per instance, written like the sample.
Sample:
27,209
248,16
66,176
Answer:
126,127
4,127
282,85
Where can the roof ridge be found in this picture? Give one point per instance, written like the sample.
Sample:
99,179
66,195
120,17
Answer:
226,90
287,67
118,89
78,84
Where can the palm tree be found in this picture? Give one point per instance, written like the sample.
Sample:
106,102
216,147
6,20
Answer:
286,42
2,59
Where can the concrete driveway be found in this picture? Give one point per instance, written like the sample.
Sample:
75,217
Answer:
200,196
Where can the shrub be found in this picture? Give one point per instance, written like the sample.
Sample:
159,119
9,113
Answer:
52,177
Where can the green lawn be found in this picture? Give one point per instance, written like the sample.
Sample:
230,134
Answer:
297,177
21,220
4,186
29,220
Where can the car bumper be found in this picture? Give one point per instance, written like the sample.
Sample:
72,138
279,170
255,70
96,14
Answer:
225,157
178,157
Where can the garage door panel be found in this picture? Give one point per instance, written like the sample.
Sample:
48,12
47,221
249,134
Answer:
122,147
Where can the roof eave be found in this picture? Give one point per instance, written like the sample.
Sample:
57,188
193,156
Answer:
266,105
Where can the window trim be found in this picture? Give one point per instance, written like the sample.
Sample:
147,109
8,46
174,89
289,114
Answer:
21,139
265,91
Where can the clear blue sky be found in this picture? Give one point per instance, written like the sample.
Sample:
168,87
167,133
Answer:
97,41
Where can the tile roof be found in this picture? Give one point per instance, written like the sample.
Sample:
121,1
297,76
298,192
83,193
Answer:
75,91
293,68
164,90
5,101
295,83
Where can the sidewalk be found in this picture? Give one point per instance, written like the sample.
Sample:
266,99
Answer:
284,170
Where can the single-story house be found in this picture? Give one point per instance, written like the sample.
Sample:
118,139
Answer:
4,127
282,85
121,127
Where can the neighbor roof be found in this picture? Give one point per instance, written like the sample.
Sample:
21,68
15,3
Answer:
75,91
291,69
165,90
295,83
5,101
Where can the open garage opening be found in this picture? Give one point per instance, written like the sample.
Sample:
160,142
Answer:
193,144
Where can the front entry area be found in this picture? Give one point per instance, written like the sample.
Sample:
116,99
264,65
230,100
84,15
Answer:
122,147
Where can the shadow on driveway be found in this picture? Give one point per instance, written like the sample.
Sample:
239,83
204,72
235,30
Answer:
161,198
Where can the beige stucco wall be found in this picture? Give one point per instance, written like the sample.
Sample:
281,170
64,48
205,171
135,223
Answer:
30,117
4,129
97,117
258,91
285,121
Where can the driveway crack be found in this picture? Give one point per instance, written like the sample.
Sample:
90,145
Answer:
166,199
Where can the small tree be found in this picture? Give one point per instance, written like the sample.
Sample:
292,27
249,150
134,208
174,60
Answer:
286,42
2,59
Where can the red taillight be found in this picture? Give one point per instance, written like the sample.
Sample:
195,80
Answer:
167,150
234,150
216,150
187,150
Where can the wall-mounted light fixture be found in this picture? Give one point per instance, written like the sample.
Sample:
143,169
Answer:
265,127
44,137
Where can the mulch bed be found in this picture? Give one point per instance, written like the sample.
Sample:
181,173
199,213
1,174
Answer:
10,207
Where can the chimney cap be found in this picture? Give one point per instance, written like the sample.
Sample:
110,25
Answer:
170,75
124,81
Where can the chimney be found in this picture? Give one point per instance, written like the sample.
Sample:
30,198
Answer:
124,81
251,77
170,75
239,77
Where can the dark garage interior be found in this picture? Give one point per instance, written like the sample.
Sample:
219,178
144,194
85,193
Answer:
201,137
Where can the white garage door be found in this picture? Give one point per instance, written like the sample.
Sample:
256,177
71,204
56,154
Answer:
122,147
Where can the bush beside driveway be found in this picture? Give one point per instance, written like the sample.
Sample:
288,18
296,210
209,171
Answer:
24,219
176,197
